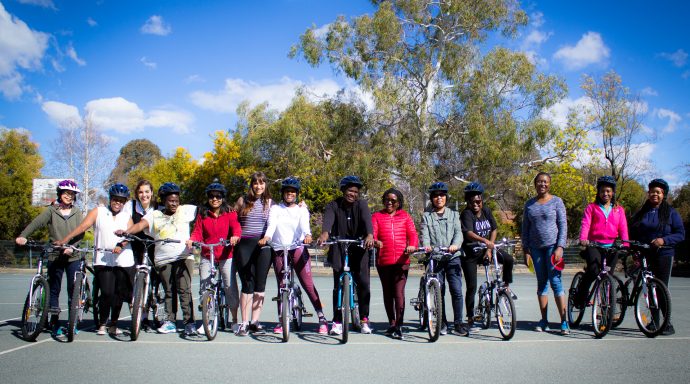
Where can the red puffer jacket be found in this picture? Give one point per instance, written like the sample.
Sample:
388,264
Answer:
396,232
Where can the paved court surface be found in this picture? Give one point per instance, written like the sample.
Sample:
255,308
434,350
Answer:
623,356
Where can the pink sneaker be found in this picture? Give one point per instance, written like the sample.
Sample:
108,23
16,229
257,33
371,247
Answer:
323,329
278,329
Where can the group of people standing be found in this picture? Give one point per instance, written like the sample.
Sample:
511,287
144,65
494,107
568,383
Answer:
256,221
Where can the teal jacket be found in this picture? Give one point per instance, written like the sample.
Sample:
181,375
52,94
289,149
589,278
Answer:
442,231
58,225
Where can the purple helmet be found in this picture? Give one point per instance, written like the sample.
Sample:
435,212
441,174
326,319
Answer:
67,185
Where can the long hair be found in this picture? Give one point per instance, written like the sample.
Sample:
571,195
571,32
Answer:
154,203
250,197
663,213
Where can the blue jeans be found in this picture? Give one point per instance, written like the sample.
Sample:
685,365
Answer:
541,257
55,270
453,273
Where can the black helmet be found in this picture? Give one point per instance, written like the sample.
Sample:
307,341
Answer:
473,188
606,180
350,180
216,187
438,186
290,182
661,183
118,190
168,189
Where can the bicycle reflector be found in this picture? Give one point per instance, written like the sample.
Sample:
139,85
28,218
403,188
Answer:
557,265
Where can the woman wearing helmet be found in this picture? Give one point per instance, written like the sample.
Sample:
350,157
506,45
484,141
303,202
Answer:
479,226
114,269
441,227
349,217
61,218
288,223
602,222
253,260
216,220
659,224
174,261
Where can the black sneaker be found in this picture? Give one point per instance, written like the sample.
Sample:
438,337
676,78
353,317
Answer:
397,333
389,331
669,330
460,330
256,328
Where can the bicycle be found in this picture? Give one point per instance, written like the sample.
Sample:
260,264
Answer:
81,292
428,302
348,306
146,295
650,296
36,306
214,308
601,298
291,306
495,289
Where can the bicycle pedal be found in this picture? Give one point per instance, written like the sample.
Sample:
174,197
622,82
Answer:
276,298
307,314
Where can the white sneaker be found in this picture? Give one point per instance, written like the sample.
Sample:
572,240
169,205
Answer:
235,327
365,328
101,330
167,327
336,329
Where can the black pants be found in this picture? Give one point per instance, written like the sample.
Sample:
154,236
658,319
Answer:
593,256
661,265
359,267
115,288
469,267
253,263
177,278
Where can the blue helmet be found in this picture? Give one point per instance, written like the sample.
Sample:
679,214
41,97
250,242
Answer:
661,183
608,181
350,180
168,189
216,187
438,186
473,188
290,182
118,190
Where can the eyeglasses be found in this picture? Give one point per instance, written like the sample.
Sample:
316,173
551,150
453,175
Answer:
215,197
390,201
476,202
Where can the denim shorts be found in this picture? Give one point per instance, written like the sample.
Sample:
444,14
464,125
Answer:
541,257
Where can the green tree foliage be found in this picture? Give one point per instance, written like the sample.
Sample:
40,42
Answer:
136,153
20,163
178,168
681,202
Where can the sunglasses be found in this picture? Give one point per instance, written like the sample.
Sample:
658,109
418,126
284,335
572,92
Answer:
435,195
215,197
391,201
118,201
476,202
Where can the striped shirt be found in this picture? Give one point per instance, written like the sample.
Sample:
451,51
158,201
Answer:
255,222
544,225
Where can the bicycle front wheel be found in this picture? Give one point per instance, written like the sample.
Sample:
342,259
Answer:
575,310
209,314
223,311
345,307
653,307
297,310
602,310
621,301
354,311
137,304
505,315
484,306
420,307
285,314
75,305
35,311
434,307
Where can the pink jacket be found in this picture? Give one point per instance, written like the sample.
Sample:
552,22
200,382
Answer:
396,232
596,227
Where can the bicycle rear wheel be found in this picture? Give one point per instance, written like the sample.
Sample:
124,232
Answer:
354,311
137,304
285,314
602,310
575,311
35,312
223,311
484,306
434,307
76,305
345,307
653,307
297,310
505,315
621,302
209,314
420,307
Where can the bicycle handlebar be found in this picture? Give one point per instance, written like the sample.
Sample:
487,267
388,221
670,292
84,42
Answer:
198,244
129,236
337,240
505,243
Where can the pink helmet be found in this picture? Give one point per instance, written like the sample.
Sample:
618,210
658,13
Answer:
67,185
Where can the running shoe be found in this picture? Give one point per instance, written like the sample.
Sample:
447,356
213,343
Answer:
565,329
242,330
323,328
336,329
190,330
167,327
256,328
389,332
114,331
460,330
542,326
397,333
278,329
444,329
366,329
101,331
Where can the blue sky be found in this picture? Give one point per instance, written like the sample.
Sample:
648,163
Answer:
174,71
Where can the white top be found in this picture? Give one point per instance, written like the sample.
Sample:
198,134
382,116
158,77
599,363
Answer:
104,237
137,206
288,225
176,226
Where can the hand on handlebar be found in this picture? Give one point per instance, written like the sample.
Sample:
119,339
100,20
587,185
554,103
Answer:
453,249
658,242
322,238
489,244
264,240
234,240
20,240
307,239
369,241
410,249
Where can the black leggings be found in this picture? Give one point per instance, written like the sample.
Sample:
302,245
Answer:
253,263
469,265
359,267
593,258
115,288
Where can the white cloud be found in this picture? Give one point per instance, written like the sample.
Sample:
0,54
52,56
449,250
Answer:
673,119
678,58
119,115
155,25
641,106
537,19
322,31
40,3
590,49
278,95
558,113
72,54
195,78
91,22
148,63
649,91
21,48
536,37
20,130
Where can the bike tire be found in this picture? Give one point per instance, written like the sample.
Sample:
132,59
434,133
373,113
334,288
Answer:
505,315
285,314
575,314
209,315
434,306
602,310
223,311
75,306
345,308
354,311
484,307
95,304
35,312
621,300
137,304
653,307
160,315
420,307
297,311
